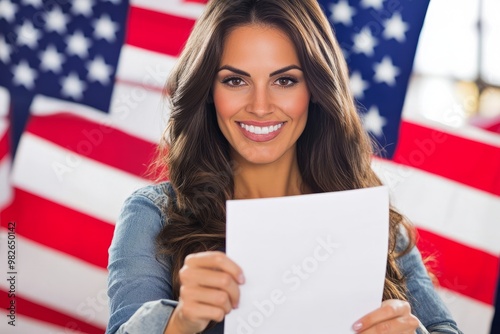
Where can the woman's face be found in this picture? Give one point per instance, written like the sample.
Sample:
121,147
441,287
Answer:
260,94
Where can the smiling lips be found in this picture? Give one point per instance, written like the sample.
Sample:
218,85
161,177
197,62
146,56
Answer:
261,132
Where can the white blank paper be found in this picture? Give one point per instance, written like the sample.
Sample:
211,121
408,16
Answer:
313,263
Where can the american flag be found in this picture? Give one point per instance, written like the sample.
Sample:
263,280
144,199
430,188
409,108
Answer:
81,111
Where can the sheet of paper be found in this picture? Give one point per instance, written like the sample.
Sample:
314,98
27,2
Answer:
313,263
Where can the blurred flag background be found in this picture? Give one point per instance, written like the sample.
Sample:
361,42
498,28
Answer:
81,111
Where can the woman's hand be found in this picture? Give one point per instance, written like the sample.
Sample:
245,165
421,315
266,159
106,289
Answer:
209,290
393,317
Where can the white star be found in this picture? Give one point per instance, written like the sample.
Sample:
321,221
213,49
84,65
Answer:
385,71
55,20
78,44
83,7
51,60
27,35
396,28
72,86
105,28
364,42
5,50
34,3
7,10
358,85
342,13
377,4
99,71
373,122
116,2
24,75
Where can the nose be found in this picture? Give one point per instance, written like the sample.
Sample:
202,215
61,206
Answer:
260,101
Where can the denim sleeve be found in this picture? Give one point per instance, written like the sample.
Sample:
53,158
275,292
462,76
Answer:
139,284
426,304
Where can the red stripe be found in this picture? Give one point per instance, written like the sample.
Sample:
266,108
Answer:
95,141
59,227
135,83
460,268
4,144
490,123
39,312
494,128
159,32
460,159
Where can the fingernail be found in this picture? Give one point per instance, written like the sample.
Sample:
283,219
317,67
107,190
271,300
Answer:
241,279
357,326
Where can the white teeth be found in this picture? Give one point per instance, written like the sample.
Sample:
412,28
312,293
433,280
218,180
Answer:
261,130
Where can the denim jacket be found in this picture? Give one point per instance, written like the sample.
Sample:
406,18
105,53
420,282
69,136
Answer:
139,282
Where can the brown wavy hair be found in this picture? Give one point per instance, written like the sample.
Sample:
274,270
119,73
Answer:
334,152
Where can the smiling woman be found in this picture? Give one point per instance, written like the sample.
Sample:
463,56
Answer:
260,107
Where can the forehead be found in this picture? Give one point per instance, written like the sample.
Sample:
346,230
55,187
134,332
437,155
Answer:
254,44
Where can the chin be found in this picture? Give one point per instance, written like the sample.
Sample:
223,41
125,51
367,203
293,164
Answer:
261,159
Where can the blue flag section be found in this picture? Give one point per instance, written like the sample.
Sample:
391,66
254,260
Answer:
67,50
379,39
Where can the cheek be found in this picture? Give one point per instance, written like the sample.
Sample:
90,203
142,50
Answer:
297,106
224,106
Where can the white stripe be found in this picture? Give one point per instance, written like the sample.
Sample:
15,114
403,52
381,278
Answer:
64,177
5,188
464,131
136,111
471,316
139,111
147,68
174,7
4,102
29,325
43,105
448,208
55,280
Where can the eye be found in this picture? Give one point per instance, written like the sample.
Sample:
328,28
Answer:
233,81
286,82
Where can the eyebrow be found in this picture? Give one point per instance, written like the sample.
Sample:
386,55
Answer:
240,72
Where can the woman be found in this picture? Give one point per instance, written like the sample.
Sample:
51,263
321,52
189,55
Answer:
260,107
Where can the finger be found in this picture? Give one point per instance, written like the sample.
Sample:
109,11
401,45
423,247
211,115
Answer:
400,325
390,309
211,297
209,278
216,260
195,312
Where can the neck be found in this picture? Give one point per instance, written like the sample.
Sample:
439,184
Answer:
280,178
